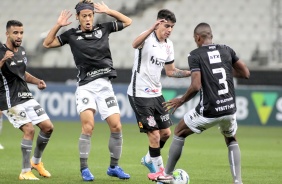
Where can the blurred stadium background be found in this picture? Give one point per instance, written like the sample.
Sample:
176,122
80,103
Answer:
253,28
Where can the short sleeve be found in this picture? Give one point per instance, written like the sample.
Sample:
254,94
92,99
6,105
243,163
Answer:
234,57
113,26
194,63
64,38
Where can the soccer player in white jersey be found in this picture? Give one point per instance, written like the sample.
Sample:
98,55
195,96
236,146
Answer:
153,52
213,67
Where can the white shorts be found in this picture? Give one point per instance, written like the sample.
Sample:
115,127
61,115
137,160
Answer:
98,95
29,111
197,123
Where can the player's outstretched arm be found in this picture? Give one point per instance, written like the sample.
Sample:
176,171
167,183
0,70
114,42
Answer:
240,70
51,40
33,80
190,93
171,71
103,8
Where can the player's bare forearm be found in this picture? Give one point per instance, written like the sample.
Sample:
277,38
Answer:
141,38
120,17
51,41
31,79
177,73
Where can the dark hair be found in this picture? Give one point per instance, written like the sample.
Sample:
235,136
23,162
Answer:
204,30
84,4
11,23
167,15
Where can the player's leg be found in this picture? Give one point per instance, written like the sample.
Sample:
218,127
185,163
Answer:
115,147
228,129
109,111
144,109
19,118
46,129
84,143
86,108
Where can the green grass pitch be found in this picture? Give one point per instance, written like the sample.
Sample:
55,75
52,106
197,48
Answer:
204,156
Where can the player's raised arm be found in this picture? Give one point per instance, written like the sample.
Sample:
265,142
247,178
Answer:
138,42
103,8
51,40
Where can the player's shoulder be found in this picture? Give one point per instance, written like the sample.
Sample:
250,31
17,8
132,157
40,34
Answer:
223,46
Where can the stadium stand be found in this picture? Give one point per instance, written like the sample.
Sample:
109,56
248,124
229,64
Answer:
245,25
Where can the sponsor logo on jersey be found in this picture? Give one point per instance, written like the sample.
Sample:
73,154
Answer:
157,61
85,100
39,110
20,61
23,52
98,72
224,100
88,35
25,94
224,107
151,121
111,101
149,90
80,38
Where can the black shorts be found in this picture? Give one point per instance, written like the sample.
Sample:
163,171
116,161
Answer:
150,113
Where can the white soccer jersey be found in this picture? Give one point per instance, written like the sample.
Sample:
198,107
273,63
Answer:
148,64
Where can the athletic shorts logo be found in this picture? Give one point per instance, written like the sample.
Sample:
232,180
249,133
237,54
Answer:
111,102
85,100
39,110
23,114
140,125
151,121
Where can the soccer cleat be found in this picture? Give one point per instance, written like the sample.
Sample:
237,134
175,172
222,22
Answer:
40,168
117,172
150,166
160,177
87,175
1,147
27,176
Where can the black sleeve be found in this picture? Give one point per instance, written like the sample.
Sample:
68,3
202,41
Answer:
234,57
194,63
64,37
114,26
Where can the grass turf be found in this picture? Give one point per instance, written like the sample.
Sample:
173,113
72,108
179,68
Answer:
204,156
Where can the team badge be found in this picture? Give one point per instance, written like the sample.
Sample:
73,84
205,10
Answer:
23,114
151,121
85,100
98,34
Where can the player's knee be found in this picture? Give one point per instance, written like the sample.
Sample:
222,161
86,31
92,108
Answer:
165,134
87,128
28,130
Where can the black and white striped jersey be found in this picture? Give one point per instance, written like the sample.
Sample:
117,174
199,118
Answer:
13,87
217,95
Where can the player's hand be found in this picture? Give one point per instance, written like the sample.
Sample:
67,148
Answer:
101,7
157,23
64,17
172,104
8,55
41,85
